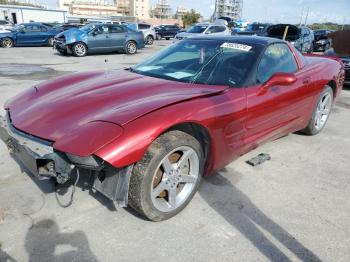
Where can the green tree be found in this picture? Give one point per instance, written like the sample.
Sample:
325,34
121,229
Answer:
191,17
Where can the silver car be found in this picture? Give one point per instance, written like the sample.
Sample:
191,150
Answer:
204,29
148,31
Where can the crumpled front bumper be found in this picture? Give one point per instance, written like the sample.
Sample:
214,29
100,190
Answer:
36,155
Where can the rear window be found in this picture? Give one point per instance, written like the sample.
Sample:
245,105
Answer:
144,26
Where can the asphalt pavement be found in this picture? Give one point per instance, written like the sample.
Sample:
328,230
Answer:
295,207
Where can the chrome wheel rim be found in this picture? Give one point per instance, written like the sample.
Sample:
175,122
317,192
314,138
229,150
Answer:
175,179
131,48
150,40
7,43
50,41
323,110
80,49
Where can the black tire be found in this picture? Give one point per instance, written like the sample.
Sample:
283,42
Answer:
149,40
7,42
79,49
131,48
50,41
167,38
311,128
145,170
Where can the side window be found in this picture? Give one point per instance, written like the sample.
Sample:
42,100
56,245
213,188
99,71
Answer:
277,59
144,26
32,28
43,29
215,29
116,29
103,29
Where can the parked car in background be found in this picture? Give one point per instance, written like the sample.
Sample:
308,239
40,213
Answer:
148,31
301,37
255,29
340,47
5,26
29,34
64,27
99,38
204,29
149,134
166,31
321,42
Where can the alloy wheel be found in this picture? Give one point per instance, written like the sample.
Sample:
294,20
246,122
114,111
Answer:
323,110
131,48
175,179
80,49
7,43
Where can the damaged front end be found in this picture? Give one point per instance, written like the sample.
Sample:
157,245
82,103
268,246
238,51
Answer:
40,158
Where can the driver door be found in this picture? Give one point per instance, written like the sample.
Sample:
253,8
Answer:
117,36
273,110
99,39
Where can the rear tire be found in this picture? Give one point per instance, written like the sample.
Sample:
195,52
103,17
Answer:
79,49
50,41
167,38
321,112
165,180
149,40
131,48
7,43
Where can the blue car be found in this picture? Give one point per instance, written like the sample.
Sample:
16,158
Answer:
29,34
99,38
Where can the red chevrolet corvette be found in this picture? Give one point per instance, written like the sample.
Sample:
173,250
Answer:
149,133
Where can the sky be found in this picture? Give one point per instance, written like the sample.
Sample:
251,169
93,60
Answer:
276,11
273,11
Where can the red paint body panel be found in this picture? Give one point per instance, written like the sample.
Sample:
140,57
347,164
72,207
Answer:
117,115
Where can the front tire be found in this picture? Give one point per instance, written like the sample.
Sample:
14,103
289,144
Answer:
149,40
167,177
50,41
79,49
321,112
131,48
7,43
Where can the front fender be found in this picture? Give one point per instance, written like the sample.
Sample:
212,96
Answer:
139,134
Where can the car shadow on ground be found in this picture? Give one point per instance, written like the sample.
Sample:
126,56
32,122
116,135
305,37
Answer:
239,211
45,242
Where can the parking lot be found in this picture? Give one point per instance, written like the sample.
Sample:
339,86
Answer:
295,207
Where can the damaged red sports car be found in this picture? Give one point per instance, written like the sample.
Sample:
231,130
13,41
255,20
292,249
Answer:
150,133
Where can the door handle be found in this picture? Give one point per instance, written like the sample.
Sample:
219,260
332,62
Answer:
306,80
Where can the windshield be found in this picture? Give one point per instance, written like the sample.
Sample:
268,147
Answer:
209,62
255,27
17,27
88,28
197,29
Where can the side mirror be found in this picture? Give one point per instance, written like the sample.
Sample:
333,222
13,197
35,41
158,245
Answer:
278,79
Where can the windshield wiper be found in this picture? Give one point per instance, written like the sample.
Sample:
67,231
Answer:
200,70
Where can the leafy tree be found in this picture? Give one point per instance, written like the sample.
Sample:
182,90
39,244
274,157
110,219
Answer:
328,26
191,17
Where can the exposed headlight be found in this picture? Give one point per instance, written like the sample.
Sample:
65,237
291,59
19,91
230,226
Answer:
89,162
322,42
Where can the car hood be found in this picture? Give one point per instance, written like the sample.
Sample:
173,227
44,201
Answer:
57,108
72,34
186,34
277,31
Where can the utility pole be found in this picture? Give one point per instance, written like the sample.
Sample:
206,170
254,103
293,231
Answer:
307,14
342,28
301,16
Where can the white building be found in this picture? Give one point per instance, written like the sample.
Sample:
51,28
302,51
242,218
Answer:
139,8
230,8
24,14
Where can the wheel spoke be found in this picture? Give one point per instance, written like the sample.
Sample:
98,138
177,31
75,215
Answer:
167,166
172,197
159,189
184,159
188,179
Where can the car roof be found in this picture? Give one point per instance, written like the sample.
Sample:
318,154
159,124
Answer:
259,40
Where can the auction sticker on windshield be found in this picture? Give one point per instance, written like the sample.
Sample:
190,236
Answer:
236,46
